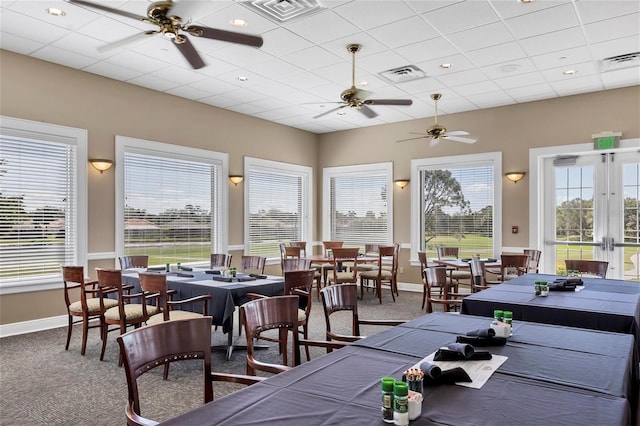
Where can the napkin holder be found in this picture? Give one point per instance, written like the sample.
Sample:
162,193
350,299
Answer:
501,329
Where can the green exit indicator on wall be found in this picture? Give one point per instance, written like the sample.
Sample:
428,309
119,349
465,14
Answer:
607,140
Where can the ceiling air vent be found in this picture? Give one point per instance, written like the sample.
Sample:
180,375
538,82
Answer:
627,60
403,74
283,10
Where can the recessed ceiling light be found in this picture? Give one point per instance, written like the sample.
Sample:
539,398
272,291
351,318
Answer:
509,68
445,66
243,78
241,23
342,113
526,1
55,12
569,72
364,83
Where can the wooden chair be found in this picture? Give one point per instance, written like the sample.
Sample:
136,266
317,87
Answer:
302,245
327,252
220,259
172,341
478,276
90,306
344,297
124,314
588,267
511,266
299,265
288,252
129,262
300,283
271,313
455,274
534,260
340,273
253,264
382,275
449,299
422,257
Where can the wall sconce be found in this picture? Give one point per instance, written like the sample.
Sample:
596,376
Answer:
101,164
401,183
515,176
236,179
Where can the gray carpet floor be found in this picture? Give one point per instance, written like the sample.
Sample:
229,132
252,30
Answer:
42,384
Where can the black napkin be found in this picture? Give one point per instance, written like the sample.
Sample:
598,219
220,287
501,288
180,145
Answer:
565,284
156,268
179,274
482,337
212,272
447,377
186,268
430,370
460,352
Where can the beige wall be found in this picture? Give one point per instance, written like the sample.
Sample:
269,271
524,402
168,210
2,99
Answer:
42,91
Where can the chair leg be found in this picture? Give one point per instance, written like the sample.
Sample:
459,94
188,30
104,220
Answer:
393,286
103,331
85,332
165,375
305,334
69,329
379,289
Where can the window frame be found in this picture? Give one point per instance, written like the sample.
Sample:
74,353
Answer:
277,167
455,161
125,144
77,138
356,170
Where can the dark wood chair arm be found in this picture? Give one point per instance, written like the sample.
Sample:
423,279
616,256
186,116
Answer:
254,296
202,298
269,368
343,337
236,378
136,419
323,343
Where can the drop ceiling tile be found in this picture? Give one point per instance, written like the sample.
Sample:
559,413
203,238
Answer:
476,88
189,92
381,61
369,45
154,83
214,86
328,91
462,77
457,62
239,55
544,21
312,58
621,78
496,54
113,71
491,99
509,9
461,16
427,50
221,18
178,75
521,80
623,26
397,33
18,24
277,67
422,6
273,89
430,85
19,44
63,57
590,83
249,109
620,46
82,44
135,61
480,37
281,41
583,69
314,28
534,92
562,58
374,14
305,80
74,18
510,68
593,11
553,42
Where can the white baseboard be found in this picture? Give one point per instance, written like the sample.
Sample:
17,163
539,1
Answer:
33,325
414,287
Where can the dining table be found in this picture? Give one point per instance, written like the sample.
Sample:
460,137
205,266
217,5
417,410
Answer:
226,292
599,304
553,375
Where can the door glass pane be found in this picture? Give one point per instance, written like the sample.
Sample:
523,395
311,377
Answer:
574,188
631,189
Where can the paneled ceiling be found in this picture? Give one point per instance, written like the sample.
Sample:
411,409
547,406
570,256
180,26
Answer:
500,52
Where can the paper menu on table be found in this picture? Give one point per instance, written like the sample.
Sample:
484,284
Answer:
480,371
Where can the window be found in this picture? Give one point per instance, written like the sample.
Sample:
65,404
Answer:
171,202
456,203
277,205
357,204
43,222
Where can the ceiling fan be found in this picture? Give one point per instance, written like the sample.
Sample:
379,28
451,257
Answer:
167,16
437,132
356,98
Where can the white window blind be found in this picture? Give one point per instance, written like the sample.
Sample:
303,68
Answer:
38,207
171,206
277,207
458,203
359,204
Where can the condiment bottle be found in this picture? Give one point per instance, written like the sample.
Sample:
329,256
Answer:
508,320
400,404
498,316
387,399
167,267
178,266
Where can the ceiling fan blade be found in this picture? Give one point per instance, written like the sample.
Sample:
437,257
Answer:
190,53
110,9
413,139
457,133
367,111
125,41
388,102
330,111
230,36
460,139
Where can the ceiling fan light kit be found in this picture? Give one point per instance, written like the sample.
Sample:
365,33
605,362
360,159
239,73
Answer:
172,27
357,98
437,132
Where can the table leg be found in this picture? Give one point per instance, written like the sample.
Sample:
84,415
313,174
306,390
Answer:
230,346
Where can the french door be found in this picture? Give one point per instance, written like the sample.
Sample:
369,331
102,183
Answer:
591,211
